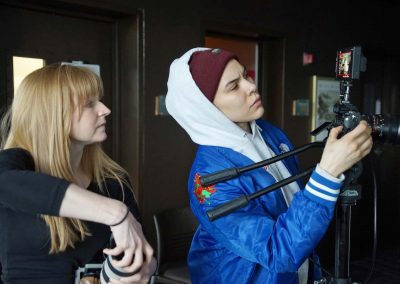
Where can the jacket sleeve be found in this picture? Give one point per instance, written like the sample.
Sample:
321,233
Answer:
23,189
279,243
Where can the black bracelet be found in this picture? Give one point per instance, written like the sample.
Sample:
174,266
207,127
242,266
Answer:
123,219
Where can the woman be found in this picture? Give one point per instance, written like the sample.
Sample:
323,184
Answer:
61,196
269,240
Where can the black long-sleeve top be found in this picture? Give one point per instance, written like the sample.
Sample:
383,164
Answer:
25,237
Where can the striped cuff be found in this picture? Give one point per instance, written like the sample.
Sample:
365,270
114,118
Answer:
323,188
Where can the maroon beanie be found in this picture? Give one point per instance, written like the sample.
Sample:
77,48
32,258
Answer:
207,67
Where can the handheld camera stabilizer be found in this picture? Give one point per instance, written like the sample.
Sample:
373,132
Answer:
385,128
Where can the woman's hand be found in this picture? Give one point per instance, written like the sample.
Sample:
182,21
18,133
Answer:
128,234
143,276
137,252
340,154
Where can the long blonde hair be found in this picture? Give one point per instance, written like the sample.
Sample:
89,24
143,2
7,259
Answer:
40,122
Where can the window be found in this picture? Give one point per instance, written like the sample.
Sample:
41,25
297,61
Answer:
22,66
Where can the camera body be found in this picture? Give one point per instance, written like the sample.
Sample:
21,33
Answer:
385,127
347,115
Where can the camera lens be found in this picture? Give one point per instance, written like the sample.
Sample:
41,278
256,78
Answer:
109,271
385,127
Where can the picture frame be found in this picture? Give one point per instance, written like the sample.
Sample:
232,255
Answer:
325,93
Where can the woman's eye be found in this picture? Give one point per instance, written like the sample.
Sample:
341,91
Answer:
90,104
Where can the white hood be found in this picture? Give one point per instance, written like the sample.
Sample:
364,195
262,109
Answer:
205,124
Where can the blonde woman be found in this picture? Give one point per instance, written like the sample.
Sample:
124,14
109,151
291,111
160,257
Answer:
61,196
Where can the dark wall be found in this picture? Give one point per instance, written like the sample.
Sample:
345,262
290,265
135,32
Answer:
320,27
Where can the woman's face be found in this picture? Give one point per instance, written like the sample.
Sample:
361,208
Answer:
237,96
89,126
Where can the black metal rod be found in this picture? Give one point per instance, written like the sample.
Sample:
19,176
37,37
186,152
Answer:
235,172
243,200
342,244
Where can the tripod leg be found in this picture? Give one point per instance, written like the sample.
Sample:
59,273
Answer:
342,245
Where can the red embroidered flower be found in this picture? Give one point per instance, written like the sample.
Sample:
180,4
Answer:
202,193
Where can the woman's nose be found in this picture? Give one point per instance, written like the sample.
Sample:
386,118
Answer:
103,110
250,85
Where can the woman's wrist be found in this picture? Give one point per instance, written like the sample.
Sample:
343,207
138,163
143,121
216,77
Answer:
333,171
112,211
118,214
321,171
122,219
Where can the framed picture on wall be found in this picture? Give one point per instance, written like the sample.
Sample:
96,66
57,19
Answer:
325,93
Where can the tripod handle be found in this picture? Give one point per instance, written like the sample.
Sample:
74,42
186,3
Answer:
219,176
235,172
227,208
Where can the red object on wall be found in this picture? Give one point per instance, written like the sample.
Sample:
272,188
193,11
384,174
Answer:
252,74
308,58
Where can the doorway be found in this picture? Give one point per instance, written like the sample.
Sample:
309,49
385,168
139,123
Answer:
264,59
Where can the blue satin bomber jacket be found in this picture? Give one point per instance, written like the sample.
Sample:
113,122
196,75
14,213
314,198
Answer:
265,241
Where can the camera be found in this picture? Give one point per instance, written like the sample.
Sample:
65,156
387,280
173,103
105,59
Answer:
385,127
108,271
101,273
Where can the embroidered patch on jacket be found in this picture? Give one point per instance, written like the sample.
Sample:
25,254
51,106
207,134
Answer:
202,193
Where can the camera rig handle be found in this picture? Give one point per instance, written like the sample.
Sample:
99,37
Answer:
243,200
231,173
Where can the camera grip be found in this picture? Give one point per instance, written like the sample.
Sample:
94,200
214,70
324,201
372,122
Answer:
227,208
